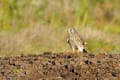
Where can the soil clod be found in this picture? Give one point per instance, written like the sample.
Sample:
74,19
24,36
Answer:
62,66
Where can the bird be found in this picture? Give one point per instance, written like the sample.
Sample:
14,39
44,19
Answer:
75,41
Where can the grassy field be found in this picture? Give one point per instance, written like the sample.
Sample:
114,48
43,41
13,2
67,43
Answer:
36,26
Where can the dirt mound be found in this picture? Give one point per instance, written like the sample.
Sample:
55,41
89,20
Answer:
62,66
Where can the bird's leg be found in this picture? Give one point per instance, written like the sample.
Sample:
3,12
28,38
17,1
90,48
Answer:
73,49
78,50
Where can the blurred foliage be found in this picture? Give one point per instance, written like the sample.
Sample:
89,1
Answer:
36,26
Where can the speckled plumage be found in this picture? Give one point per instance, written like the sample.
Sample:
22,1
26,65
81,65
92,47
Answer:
75,41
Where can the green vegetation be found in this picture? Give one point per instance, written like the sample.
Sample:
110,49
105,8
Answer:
36,26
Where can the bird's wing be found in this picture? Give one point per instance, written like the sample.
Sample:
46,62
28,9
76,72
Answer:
80,39
68,41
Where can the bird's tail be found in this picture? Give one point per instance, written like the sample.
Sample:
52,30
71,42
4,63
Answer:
82,49
85,51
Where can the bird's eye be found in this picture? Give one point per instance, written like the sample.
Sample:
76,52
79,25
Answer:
70,30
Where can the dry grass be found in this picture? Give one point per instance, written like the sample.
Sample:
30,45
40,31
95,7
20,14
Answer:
42,38
32,40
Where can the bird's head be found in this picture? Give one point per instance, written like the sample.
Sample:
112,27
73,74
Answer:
71,30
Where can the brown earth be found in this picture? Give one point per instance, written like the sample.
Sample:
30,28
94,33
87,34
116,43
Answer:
62,66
